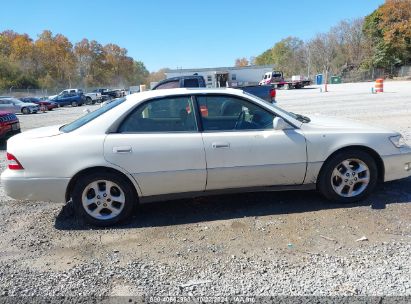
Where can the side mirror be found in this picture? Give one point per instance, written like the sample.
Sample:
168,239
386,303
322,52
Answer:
279,123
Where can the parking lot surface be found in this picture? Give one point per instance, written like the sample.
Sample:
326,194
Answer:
276,243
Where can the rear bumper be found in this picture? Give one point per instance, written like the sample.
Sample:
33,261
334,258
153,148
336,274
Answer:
397,166
34,189
7,130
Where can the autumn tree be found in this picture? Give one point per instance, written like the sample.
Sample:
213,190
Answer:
16,61
157,76
388,30
241,62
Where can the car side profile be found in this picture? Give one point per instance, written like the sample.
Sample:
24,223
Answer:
164,144
14,105
74,98
44,105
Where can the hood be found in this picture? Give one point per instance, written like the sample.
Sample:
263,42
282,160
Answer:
320,122
4,113
39,133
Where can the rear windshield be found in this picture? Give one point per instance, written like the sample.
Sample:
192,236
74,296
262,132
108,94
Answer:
90,116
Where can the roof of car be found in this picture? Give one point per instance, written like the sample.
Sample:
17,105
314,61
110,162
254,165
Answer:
182,91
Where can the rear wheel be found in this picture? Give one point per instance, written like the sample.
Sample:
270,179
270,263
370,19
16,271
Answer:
89,101
348,176
103,198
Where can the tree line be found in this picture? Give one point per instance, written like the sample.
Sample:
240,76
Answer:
380,40
52,61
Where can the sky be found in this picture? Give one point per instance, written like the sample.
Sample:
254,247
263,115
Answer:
182,33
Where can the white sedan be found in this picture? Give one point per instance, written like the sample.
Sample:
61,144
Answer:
166,144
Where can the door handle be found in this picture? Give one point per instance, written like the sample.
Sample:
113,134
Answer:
218,145
123,149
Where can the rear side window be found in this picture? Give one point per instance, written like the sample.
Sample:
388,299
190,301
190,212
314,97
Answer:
191,83
171,114
169,85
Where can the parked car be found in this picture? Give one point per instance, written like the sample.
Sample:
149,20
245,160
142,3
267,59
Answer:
193,81
93,97
9,125
14,105
72,98
44,105
108,94
90,98
158,145
266,92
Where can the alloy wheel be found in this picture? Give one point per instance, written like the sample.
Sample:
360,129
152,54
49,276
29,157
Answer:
103,199
350,177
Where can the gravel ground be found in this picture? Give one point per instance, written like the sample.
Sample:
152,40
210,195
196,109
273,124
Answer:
281,243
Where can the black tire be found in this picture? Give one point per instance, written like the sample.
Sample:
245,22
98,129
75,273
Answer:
89,101
325,182
74,104
25,111
125,186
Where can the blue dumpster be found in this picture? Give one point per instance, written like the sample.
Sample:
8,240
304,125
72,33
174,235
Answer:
319,78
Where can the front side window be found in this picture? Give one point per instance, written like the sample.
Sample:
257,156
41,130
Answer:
171,114
228,113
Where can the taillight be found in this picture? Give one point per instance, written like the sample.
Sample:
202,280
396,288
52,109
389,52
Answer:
14,164
273,93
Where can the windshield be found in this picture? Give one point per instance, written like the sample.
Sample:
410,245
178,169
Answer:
90,116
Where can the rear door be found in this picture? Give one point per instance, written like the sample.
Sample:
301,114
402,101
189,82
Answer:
243,149
160,145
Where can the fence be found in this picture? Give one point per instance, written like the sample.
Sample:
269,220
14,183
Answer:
371,75
404,71
27,92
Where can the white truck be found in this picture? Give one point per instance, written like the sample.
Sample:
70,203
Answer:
276,78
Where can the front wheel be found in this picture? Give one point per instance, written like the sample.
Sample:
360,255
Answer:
74,103
348,176
25,111
103,199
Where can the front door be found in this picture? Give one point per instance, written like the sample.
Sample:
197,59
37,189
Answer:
159,144
243,149
7,106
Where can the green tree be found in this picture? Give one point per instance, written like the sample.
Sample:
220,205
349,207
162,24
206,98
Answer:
287,55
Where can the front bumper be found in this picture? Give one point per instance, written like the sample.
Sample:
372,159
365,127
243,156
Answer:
397,166
34,189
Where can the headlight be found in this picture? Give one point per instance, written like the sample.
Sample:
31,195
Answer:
398,141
